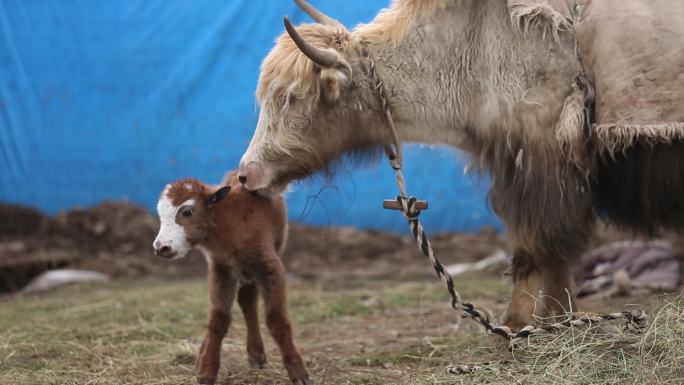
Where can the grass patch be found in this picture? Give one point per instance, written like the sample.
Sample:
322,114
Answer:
597,355
609,355
431,352
372,332
347,306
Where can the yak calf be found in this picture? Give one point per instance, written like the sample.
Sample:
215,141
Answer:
240,234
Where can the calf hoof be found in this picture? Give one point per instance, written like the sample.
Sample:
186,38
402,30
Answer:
205,380
302,381
257,362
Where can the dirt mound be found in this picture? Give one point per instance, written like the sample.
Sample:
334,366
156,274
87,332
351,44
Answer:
335,251
116,238
20,221
109,226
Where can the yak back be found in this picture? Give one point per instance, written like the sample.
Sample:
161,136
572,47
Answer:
633,54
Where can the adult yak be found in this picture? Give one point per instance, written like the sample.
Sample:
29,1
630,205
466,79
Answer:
576,110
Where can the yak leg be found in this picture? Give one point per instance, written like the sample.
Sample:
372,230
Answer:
248,298
222,288
273,288
541,288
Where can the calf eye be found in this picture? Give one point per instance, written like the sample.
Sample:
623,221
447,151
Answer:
187,213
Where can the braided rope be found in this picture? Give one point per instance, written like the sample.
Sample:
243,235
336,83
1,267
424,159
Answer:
468,369
635,319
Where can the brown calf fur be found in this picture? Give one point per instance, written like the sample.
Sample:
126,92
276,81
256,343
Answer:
240,234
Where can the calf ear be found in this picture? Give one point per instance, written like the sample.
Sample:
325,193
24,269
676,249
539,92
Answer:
219,194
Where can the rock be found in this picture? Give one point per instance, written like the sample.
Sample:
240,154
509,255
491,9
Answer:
55,278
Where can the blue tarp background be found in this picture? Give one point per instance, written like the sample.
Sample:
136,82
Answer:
105,100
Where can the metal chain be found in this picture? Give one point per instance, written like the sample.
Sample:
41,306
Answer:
635,319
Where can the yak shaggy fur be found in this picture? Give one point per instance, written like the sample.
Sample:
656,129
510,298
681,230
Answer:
497,79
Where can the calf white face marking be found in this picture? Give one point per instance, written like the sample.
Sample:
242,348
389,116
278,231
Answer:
171,234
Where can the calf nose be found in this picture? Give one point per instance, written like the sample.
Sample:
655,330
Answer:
164,251
242,179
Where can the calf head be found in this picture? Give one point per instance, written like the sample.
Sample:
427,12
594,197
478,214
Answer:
185,210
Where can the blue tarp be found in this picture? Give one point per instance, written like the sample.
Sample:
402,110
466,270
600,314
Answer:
105,100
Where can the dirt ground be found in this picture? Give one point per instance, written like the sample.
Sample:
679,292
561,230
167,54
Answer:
351,331
366,305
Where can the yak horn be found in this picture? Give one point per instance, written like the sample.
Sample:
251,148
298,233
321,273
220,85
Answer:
323,58
317,15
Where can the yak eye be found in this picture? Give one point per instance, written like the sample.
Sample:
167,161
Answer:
292,100
187,213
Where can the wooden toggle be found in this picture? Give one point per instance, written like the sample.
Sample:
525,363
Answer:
392,204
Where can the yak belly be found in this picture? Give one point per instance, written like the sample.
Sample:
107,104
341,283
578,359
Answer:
642,188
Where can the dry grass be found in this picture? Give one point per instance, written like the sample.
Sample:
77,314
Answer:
350,331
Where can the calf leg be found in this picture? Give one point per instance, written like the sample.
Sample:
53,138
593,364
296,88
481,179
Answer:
222,288
248,299
278,321
540,288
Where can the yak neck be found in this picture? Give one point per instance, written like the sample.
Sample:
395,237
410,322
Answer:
467,73
417,72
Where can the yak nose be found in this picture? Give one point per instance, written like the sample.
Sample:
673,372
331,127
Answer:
251,175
